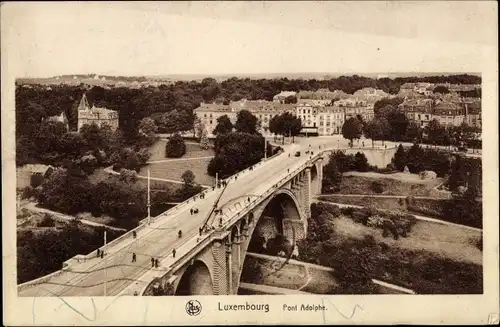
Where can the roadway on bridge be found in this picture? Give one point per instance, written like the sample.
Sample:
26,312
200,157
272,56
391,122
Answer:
88,279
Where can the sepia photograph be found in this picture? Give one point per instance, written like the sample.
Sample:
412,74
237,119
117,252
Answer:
174,151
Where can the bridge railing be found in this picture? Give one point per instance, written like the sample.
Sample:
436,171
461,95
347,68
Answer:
144,222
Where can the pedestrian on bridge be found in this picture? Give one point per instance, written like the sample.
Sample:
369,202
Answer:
102,254
201,230
173,253
156,263
134,234
191,211
98,253
152,262
134,258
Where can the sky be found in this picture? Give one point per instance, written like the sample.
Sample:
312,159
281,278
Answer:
116,38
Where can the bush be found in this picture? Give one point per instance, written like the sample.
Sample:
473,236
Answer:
36,180
47,221
377,187
28,192
175,147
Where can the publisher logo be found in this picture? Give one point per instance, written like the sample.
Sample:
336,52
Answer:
193,308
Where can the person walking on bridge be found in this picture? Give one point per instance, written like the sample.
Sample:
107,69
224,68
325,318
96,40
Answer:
173,253
134,258
152,262
156,263
98,253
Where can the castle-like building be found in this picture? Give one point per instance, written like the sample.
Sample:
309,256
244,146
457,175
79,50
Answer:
94,115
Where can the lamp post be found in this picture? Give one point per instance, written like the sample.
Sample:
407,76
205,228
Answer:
105,265
265,149
149,199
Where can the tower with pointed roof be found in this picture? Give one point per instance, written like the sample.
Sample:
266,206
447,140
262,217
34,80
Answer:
94,115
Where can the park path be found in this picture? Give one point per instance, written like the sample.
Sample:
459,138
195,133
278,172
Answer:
419,217
180,159
32,207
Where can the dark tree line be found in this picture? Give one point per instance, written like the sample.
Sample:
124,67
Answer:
235,152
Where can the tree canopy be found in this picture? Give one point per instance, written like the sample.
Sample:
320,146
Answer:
352,129
224,125
246,122
175,147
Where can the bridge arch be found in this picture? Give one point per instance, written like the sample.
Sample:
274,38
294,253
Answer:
196,279
270,226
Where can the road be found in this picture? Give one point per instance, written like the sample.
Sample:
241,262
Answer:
158,242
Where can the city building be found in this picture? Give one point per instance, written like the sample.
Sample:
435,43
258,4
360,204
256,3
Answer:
473,113
323,94
354,107
62,118
418,110
448,113
370,94
208,113
94,115
281,97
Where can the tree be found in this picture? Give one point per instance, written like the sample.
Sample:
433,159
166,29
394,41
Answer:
441,89
188,177
400,158
398,123
235,152
361,162
128,176
246,122
377,129
91,135
224,125
175,147
352,129
332,177
147,129
413,132
291,99
36,180
287,124
437,133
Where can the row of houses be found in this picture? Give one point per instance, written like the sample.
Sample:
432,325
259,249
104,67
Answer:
319,116
324,115
446,112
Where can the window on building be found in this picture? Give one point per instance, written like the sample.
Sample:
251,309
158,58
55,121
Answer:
327,123
320,123
205,115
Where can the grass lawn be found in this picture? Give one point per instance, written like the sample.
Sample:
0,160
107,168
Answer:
352,184
174,169
192,151
379,203
444,240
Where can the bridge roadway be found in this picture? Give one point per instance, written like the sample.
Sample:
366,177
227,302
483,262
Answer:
158,240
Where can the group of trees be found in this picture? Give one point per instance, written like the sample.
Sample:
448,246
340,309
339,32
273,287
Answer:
357,261
92,147
285,124
418,159
236,151
121,197
39,254
339,163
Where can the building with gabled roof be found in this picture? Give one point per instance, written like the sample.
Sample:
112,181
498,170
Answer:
88,115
